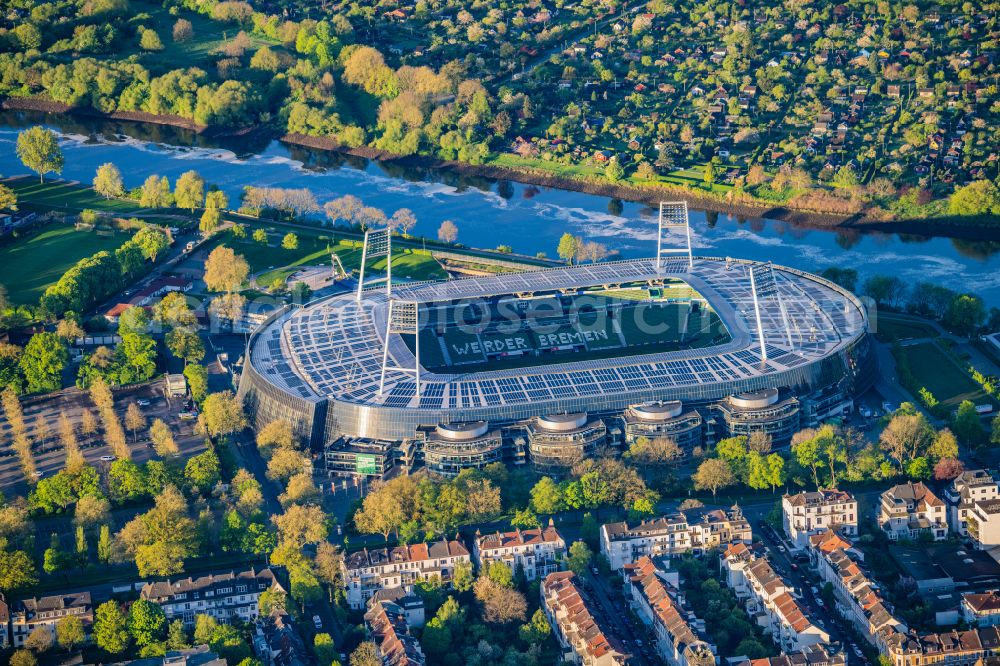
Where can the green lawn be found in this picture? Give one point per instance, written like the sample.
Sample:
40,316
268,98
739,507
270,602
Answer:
32,195
272,261
199,51
30,264
938,373
892,328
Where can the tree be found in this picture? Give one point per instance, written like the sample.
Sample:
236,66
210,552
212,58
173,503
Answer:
223,414
402,221
203,471
381,512
806,449
155,192
110,633
183,31
579,557
713,474
210,220
965,314
906,437
945,445
260,236
108,181
38,149
709,175
967,426
980,197
546,496
189,190
197,381
501,604
44,358
290,241
177,636
134,420
614,171
186,345
91,511
23,658
569,246
325,649
70,633
301,525
948,469
150,41
146,622
225,270
162,438
525,519
17,571
366,654
447,232
39,640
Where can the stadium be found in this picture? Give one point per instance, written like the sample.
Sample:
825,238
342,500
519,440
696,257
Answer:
547,366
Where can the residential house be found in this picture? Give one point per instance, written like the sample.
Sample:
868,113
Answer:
673,534
367,571
770,599
277,642
224,596
583,636
4,623
814,655
659,605
982,523
386,624
808,513
404,597
981,610
30,614
537,552
909,509
969,487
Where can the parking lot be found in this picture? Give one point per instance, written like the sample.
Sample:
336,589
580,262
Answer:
42,416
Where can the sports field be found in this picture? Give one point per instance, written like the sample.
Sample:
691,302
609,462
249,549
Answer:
524,333
934,370
31,263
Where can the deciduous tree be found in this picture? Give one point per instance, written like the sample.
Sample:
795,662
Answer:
38,149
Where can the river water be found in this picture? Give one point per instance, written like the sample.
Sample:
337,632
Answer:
489,212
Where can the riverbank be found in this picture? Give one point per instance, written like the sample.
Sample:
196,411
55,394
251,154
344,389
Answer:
650,195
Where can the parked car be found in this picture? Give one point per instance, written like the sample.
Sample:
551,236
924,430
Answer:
108,458
142,402
317,622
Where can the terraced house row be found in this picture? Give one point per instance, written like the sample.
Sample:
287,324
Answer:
859,600
770,599
535,553
694,530
661,607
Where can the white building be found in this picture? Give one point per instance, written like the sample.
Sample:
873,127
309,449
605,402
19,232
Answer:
968,488
673,534
809,513
909,509
981,610
660,606
224,596
583,639
30,614
537,552
770,599
367,571
982,523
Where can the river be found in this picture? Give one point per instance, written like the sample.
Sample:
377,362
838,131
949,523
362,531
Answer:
489,212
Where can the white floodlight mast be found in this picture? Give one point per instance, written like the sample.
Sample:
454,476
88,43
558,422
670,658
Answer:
673,215
378,243
403,317
756,310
